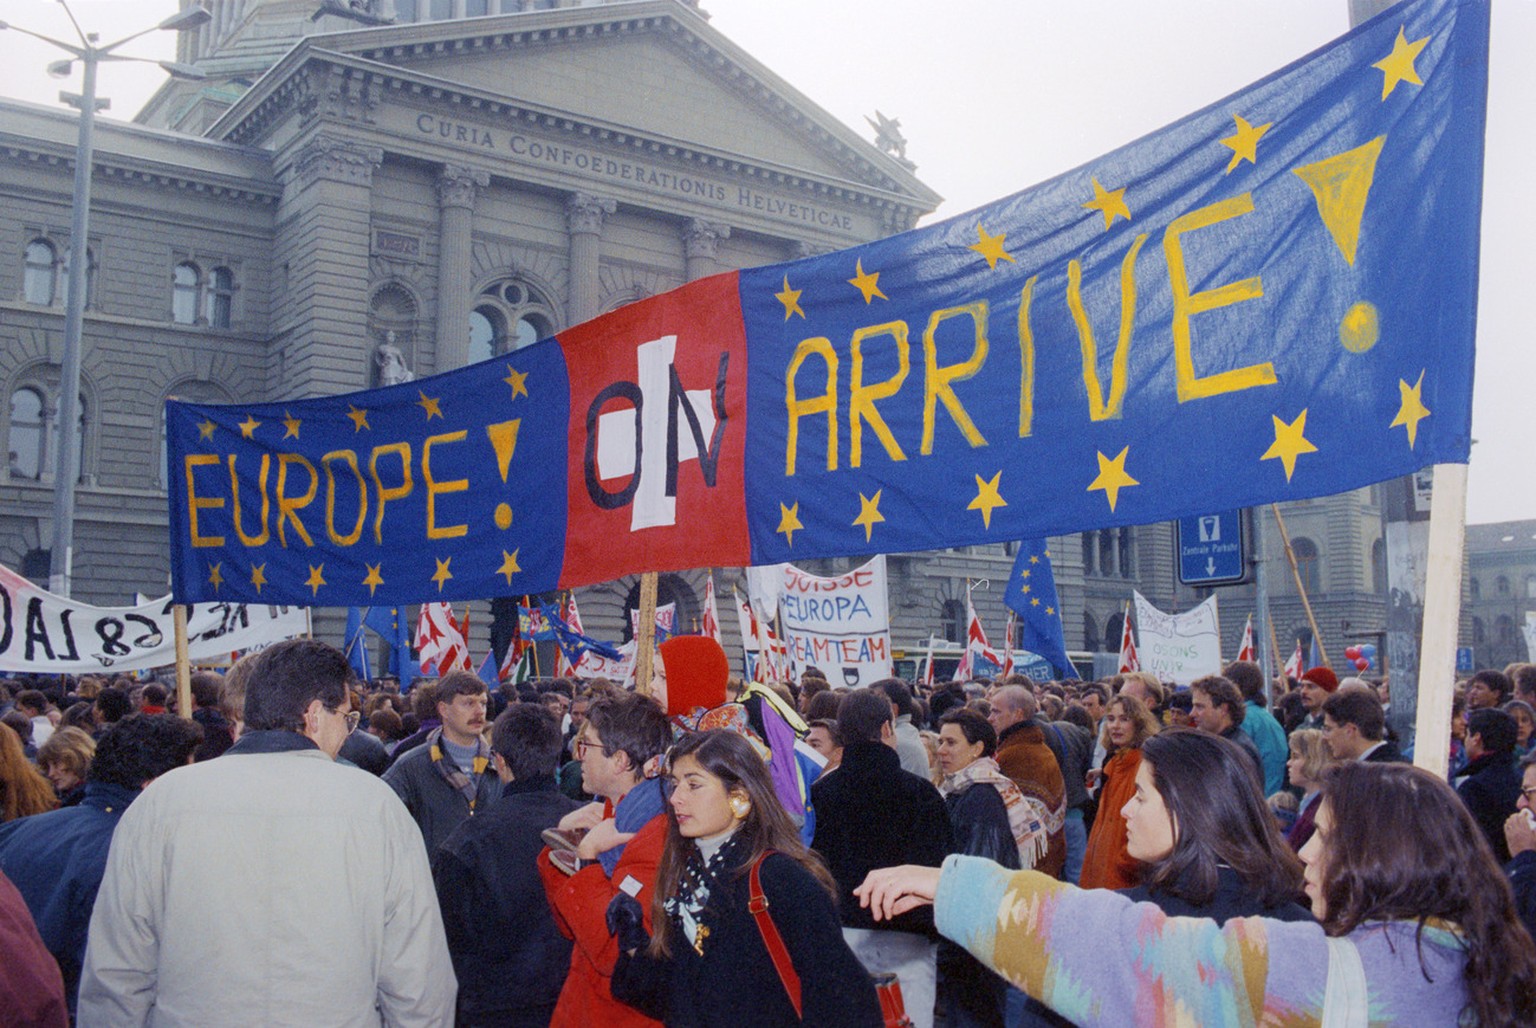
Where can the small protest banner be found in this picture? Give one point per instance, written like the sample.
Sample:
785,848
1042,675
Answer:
841,625
1179,648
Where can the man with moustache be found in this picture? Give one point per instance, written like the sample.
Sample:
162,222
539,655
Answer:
446,779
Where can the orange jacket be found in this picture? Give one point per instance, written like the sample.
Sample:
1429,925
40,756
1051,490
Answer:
580,905
1106,864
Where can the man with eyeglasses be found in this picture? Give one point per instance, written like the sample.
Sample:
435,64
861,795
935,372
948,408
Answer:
271,885
445,780
1520,836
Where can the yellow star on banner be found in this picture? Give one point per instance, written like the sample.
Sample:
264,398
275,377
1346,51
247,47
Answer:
987,498
1412,411
1245,144
215,576
249,426
442,574
1034,559
1290,443
1034,601
258,576
991,247
359,418
867,283
789,521
374,578
869,513
1024,573
315,579
790,298
518,380
1024,588
1397,66
429,404
1112,477
290,426
205,429
509,566
1109,202
1050,610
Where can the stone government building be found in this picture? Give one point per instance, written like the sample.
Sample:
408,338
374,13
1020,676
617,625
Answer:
364,190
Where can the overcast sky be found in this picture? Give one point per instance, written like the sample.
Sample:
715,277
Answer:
995,95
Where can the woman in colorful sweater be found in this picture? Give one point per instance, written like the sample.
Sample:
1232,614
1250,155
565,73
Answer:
1106,864
1417,926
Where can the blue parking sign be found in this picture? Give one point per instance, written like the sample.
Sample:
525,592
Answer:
1213,549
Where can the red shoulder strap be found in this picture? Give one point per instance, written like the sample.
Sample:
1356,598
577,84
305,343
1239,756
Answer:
758,905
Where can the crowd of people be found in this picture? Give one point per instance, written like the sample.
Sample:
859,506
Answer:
306,849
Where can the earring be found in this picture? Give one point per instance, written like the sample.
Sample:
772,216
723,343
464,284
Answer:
740,808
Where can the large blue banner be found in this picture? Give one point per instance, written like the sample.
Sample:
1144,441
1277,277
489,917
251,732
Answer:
1273,298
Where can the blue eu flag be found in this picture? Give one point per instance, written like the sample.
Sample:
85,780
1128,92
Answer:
1032,595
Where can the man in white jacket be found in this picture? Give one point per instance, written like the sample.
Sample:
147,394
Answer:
271,886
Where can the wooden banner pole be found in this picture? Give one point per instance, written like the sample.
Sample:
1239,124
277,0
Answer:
183,664
645,637
1301,590
1442,618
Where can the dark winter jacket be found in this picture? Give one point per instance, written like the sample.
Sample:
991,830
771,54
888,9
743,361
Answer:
1233,899
1522,878
1490,790
980,823
873,814
734,982
56,861
434,804
510,958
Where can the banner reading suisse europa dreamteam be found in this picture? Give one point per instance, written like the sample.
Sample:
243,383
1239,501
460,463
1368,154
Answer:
841,625
1270,299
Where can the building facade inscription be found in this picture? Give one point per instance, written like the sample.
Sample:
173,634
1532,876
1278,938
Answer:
534,150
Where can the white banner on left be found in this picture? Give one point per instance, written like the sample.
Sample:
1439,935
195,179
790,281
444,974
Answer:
41,633
1179,648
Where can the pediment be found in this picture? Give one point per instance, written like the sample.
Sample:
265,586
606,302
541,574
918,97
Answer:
652,69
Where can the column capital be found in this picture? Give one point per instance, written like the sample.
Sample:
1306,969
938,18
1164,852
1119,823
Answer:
702,238
585,212
337,159
458,185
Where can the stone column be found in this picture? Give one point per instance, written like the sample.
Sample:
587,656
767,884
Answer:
323,246
584,214
701,245
456,189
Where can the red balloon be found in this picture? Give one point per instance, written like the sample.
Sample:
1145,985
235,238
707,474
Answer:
1362,663
1352,653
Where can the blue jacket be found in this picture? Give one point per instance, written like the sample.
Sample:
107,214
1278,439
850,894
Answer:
56,861
1269,739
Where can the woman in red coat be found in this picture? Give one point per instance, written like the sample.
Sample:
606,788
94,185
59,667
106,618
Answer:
1106,864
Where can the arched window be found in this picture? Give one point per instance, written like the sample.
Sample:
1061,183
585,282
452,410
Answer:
1379,567
1307,564
1106,552
1479,631
220,299
39,280
1088,553
35,564
1501,585
1090,632
392,321
192,391
1126,563
1504,629
33,428
1477,589
185,282
508,315
954,621
1114,628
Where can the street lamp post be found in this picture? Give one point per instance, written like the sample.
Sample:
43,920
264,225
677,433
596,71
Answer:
66,459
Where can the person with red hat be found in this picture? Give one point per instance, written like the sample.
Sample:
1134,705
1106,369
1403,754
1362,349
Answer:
1317,684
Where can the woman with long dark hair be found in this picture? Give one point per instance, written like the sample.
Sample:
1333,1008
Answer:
1208,844
711,958
1127,724
1418,926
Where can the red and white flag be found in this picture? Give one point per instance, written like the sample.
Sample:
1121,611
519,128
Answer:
711,625
1247,651
928,671
1297,664
1129,661
977,648
440,641
1008,646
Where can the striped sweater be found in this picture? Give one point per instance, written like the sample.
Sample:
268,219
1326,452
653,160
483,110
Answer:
1097,958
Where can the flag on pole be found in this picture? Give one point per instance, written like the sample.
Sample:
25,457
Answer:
1247,651
1008,645
1296,666
1031,593
1316,657
977,649
711,621
356,645
1129,661
928,671
488,672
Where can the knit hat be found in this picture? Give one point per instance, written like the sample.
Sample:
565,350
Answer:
696,672
1322,677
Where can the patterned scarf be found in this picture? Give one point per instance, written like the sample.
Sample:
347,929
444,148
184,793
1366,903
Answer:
687,906
453,774
1031,821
